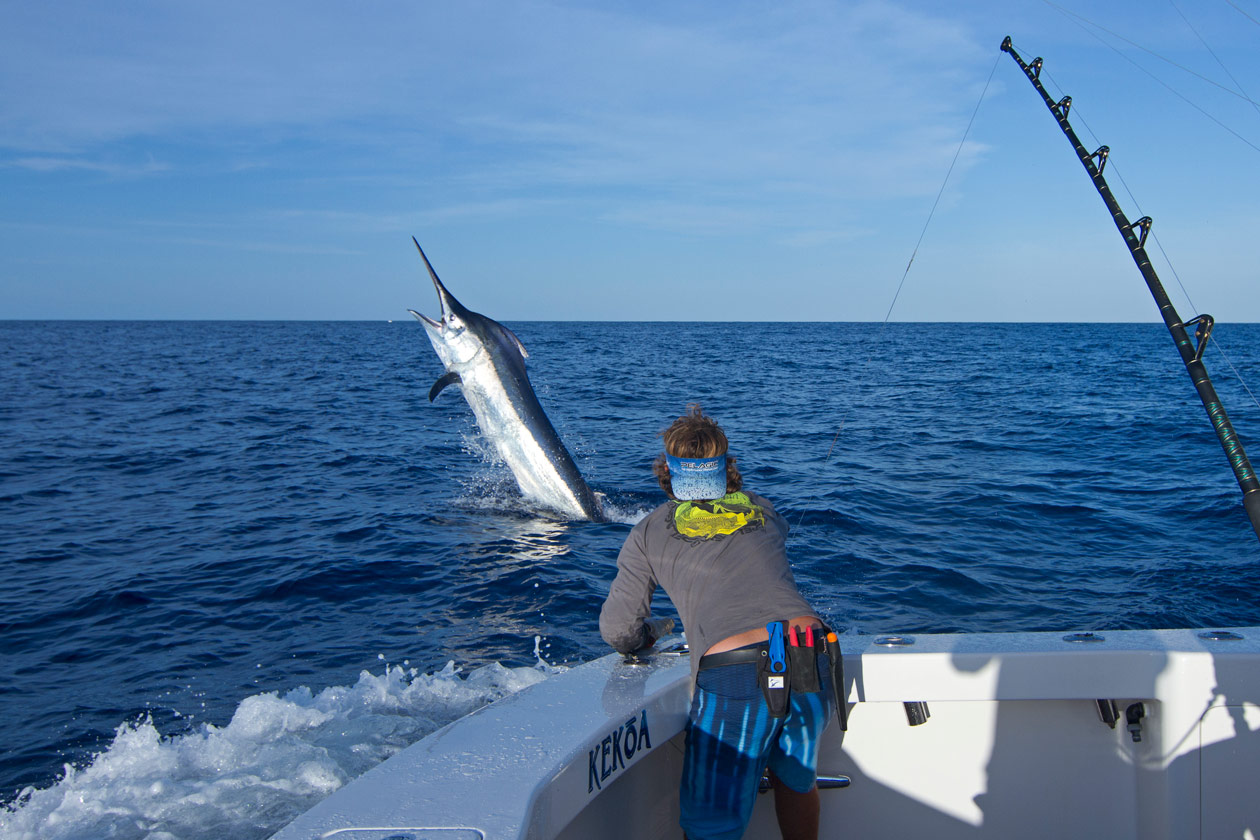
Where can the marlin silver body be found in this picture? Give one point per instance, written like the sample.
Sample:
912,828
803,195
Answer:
487,361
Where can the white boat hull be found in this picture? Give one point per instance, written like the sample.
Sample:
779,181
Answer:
1015,747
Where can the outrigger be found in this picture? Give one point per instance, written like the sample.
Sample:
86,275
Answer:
1151,734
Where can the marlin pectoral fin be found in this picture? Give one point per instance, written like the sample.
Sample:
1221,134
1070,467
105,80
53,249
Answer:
447,378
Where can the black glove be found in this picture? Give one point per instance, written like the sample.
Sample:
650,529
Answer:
657,628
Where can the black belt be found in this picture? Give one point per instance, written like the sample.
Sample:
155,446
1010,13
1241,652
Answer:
738,656
751,653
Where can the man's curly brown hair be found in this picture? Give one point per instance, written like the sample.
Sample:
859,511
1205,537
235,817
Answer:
695,435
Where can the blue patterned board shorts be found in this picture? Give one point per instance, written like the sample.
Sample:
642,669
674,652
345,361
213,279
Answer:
731,739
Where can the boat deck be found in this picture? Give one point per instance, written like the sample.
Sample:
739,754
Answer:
1016,745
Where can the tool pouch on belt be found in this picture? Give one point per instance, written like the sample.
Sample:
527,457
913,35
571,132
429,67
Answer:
803,668
773,671
836,659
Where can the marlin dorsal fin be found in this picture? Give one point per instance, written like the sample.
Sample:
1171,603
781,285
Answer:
448,378
511,335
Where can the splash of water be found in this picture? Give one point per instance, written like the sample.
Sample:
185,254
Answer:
278,756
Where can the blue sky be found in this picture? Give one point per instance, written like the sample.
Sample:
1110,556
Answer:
618,160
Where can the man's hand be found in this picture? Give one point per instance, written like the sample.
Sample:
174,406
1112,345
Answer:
657,628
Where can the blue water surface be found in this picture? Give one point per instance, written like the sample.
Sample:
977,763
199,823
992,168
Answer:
193,514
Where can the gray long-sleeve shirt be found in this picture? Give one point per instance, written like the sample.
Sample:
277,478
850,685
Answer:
721,586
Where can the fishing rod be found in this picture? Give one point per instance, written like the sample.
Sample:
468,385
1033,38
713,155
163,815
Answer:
1135,234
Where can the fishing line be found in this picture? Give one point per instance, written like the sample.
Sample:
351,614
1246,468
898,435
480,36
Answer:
1212,53
1170,89
888,315
1165,59
1221,349
1241,12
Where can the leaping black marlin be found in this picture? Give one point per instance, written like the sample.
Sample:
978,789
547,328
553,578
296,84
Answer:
487,361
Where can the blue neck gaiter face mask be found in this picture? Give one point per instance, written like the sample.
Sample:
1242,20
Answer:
697,478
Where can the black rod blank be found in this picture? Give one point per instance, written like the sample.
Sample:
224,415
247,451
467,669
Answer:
1134,234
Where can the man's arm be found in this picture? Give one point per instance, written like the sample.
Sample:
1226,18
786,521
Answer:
629,601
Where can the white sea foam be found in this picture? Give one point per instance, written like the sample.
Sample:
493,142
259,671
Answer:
630,514
278,756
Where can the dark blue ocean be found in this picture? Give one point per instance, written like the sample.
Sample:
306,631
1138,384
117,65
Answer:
244,561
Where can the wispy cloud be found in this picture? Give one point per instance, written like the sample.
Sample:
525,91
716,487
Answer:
63,164
523,96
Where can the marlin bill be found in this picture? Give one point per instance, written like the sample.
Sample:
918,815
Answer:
487,361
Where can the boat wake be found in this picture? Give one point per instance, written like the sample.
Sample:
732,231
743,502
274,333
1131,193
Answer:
278,756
